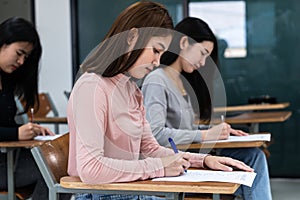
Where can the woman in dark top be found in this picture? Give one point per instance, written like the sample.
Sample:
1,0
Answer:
20,52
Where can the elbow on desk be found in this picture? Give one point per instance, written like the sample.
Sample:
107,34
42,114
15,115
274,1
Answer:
93,177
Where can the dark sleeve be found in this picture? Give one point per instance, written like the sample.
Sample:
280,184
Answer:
9,133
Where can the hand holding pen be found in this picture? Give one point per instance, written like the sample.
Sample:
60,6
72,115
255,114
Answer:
173,145
231,130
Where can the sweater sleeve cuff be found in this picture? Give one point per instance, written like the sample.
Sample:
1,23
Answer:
197,160
9,133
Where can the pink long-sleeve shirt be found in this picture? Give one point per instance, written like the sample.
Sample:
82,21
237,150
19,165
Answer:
110,138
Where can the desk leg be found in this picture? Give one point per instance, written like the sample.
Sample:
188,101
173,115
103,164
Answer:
216,196
175,196
10,175
254,128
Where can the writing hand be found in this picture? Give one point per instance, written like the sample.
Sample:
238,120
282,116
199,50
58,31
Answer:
218,132
30,130
175,165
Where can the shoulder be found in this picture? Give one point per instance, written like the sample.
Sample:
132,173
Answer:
156,76
90,82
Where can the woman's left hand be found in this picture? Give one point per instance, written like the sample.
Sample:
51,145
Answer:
238,132
225,164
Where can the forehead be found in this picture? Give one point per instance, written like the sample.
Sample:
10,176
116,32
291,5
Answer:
163,41
25,46
207,45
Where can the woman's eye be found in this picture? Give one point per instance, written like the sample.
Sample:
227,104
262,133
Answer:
19,54
155,50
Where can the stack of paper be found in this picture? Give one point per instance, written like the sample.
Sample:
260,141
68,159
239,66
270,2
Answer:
241,177
247,138
46,137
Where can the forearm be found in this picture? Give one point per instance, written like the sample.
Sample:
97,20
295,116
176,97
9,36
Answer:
9,134
180,136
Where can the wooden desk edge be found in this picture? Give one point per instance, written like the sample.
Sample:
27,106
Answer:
250,107
221,145
25,144
154,186
51,120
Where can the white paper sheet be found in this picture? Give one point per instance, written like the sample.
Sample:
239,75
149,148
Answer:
241,177
46,137
247,138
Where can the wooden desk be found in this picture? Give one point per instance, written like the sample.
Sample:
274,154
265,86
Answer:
254,119
251,107
8,148
221,145
154,187
51,120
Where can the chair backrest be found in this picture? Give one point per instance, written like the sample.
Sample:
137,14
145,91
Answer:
46,106
67,94
52,159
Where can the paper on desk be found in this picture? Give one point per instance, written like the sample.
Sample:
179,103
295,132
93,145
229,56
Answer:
247,138
46,137
241,177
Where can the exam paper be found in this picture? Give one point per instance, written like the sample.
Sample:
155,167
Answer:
247,138
241,177
46,137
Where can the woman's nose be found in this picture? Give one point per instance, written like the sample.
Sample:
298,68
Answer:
202,62
156,61
21,59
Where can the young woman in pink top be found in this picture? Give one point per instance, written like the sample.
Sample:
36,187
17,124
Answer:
110,138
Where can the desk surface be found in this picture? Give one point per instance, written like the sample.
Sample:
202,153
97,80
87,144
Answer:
221,145
259,117
8,147
15,144
254,117
51,120
250,107
158,186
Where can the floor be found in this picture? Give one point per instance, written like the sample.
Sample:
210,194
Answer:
285,189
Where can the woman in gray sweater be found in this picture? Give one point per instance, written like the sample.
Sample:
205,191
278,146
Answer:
169,108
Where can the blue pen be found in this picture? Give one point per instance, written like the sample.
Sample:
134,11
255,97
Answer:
173,145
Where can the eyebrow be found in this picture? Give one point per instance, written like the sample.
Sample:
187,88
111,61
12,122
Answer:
206,50
24,52
162,46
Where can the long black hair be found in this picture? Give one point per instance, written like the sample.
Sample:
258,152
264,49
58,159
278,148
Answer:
25,78
198,31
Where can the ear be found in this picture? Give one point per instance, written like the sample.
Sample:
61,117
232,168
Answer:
132,36
184,42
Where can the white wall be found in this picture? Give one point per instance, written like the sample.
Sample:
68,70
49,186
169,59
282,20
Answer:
53,21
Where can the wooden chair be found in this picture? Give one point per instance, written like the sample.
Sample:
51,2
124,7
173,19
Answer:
52,160
46,106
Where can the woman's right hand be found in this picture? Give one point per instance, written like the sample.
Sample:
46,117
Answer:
221,132
175,165
218,132
30,130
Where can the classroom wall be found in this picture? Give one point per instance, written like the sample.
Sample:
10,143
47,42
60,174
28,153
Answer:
271,68
53,23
